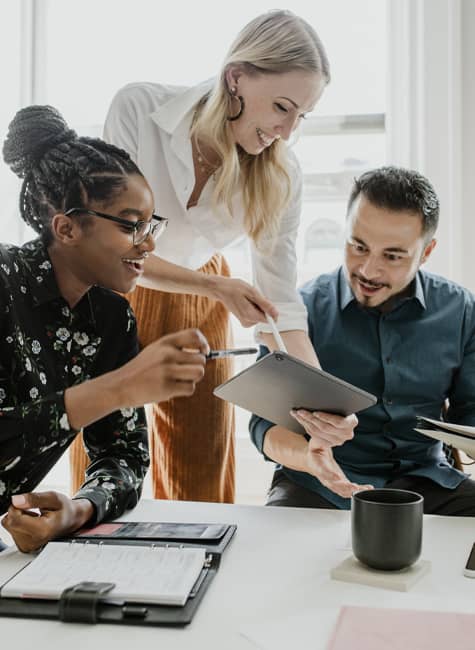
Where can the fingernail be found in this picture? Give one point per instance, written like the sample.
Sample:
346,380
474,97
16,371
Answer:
18,500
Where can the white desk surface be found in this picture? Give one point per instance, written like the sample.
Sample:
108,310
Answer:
273,582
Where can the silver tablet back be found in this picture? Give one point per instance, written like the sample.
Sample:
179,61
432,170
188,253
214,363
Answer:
279,382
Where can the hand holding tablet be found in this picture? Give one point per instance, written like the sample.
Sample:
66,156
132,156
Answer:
279,383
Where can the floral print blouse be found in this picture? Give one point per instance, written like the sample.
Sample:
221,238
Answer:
45,347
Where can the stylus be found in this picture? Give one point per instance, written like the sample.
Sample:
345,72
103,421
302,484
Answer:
276,333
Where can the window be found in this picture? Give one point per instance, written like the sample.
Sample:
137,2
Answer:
12,39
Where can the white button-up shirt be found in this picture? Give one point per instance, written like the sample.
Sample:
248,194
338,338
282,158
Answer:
152,123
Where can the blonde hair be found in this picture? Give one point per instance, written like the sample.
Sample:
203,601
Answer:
273,43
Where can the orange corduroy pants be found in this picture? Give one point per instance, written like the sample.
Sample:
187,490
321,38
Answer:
191,438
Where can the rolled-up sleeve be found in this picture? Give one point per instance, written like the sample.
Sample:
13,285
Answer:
258,427
275,272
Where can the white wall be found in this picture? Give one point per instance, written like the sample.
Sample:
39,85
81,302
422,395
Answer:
430,117
468,142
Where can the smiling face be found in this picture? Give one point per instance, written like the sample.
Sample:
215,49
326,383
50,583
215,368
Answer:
383,251
274,104
105,254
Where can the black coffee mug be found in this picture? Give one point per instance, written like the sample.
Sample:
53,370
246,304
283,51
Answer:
386,528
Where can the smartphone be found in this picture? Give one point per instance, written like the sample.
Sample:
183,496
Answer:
469,570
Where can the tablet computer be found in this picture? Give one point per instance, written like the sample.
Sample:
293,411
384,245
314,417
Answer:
279,382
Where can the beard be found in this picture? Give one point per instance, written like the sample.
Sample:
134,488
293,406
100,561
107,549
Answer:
390,302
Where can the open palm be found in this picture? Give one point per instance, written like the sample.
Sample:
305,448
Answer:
322,465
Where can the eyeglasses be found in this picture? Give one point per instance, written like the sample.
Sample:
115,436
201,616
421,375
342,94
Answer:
140,229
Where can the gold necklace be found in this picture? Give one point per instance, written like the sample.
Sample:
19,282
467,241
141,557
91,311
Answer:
204,165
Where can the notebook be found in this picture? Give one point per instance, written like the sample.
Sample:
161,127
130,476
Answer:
458,435
142,574
439,425
368,628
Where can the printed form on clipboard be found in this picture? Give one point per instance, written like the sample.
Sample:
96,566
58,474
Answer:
141,574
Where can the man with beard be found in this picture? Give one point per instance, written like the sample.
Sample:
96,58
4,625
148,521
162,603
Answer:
397,331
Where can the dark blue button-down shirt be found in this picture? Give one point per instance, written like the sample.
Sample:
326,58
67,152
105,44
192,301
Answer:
412,358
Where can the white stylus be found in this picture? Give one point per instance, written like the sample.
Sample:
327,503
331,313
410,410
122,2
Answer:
276,333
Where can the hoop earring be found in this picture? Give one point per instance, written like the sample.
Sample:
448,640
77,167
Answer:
234,95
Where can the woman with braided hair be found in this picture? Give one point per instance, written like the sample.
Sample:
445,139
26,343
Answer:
216,158
68,347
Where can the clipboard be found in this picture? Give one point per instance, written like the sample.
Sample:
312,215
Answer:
84,602
279,382
456,435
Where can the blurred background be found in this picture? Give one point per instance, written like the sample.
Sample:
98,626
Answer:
400,94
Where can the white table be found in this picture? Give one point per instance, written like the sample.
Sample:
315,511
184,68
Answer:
276,567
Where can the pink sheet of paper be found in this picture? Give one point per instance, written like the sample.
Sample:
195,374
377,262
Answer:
369,628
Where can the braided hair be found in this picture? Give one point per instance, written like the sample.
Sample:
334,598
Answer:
59,169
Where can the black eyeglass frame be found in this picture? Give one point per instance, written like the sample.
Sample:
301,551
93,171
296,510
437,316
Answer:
132,226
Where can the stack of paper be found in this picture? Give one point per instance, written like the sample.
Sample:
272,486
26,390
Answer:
350,627
459,436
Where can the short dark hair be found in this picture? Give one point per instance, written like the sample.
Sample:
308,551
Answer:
399,189
59,169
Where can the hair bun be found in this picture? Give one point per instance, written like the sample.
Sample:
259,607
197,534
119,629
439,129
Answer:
33,132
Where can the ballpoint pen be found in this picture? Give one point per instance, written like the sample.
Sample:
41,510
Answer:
221,354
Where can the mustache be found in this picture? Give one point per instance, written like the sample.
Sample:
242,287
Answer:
370,283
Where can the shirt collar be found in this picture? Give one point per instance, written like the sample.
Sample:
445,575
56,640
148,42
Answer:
419,294
169,116
346,295
40,275
42,281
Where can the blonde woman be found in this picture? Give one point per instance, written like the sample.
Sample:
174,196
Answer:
216,158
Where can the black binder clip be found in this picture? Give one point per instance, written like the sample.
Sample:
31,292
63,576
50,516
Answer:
78,604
